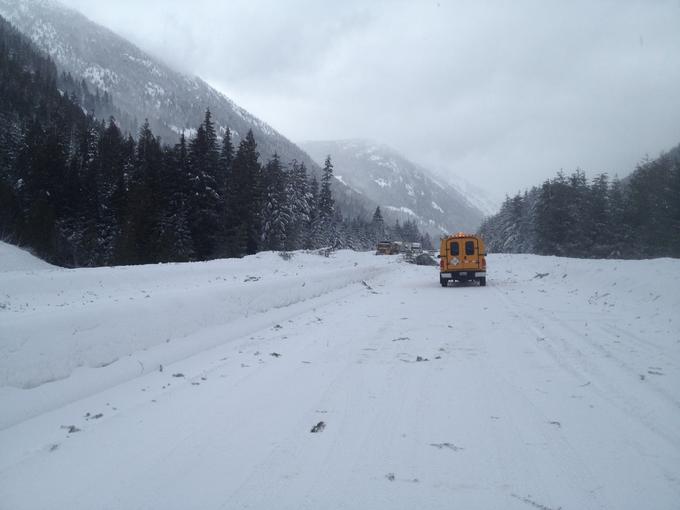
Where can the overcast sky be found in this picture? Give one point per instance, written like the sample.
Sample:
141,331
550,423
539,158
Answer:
502,93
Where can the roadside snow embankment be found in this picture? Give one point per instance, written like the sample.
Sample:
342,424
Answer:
638,291
13,258
57,321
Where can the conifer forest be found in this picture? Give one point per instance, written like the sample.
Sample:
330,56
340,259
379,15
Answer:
79,191
637,217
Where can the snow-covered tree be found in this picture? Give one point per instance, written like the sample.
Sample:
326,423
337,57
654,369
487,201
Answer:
276,217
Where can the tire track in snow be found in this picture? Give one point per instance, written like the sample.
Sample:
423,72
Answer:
526,415
602,384
583,368
347,400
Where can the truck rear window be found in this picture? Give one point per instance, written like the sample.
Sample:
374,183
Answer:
454,248
469,247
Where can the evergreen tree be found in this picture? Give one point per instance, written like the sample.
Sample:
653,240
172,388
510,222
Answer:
596,222
33,165
313,222
109,174
577,194
244,199
275,213
409,231
377,226
673,197
207,179
176,242
140,237
226,160
619,231
326,234
11,216
526,224
397,232
511,231
326,202
553,216
426,242
298,205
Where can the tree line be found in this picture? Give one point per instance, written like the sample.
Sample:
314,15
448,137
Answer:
81,192
638,217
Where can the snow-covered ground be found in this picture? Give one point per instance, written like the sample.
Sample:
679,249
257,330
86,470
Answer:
181,386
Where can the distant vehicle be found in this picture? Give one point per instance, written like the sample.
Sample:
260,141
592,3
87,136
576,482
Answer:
462,258
396,247
387,248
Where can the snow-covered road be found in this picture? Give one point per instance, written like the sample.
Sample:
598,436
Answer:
556,386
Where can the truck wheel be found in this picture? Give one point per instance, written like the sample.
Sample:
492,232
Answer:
444,283
482,281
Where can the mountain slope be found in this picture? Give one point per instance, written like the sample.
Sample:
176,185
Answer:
145,88
480,198
402,188
140,85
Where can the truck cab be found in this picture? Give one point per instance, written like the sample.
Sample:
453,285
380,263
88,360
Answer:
462,258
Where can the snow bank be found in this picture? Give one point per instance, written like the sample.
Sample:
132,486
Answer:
633,289
16,259
55,322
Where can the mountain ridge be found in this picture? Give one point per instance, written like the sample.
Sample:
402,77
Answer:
76,44
404,189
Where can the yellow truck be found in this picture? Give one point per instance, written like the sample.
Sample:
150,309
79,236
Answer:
462,259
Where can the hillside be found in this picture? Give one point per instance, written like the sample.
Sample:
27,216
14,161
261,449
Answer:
141,87
198,385
403,189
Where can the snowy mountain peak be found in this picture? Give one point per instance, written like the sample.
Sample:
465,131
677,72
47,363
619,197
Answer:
403,189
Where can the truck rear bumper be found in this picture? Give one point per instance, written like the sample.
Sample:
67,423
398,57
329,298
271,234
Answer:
455,275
